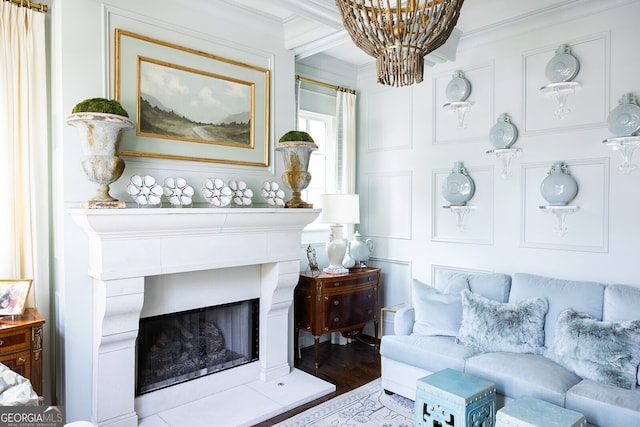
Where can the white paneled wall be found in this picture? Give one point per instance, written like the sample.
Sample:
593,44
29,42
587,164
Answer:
406,134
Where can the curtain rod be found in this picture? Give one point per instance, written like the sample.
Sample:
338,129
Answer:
330,86
25,3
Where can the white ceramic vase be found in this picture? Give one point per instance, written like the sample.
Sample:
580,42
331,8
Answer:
101,134
559,187
360,248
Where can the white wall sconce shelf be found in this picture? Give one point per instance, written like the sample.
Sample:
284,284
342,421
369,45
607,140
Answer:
625,145
505,155
460,212
560,213
560,92
460,108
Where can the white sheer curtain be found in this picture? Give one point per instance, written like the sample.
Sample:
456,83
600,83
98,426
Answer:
346,142
24,243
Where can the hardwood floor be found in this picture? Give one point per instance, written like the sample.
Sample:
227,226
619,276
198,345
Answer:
347,366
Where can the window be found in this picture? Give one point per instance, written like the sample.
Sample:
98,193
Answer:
322,164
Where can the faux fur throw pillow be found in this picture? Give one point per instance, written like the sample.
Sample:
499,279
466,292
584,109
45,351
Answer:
489,325
607,352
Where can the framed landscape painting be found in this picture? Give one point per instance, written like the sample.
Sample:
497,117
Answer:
13,296
189,104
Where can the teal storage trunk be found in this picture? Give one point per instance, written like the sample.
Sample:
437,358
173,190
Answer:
452,398
531,412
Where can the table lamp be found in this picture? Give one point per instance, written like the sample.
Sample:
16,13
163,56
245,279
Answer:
338,209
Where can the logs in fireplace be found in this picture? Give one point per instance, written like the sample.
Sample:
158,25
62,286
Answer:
177,347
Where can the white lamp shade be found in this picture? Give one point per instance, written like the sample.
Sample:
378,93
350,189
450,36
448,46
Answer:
340,209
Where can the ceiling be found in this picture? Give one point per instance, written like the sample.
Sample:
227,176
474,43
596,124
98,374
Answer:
315,26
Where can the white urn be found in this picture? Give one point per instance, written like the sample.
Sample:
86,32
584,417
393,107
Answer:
101,134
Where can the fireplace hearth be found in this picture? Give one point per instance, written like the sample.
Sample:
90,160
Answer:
178,347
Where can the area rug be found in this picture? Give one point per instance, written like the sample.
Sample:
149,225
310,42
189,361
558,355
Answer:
368,405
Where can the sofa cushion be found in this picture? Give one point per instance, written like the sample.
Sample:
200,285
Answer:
429,353
435,313
605,405
494,286
607,352
450,282
520,374
586,297
489,325
621,302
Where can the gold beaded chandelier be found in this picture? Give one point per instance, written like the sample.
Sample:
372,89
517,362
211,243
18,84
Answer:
399,33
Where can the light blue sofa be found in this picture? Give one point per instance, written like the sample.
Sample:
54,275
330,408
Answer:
424,342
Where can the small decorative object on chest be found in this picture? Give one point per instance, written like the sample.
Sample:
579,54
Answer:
360,249
456,399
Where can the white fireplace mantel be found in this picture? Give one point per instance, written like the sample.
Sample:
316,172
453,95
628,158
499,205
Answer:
127,245
146,242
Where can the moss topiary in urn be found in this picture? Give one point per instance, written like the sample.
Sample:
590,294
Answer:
296,147
101,123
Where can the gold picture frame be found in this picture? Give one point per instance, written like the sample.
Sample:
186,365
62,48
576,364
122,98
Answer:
13,296
189,104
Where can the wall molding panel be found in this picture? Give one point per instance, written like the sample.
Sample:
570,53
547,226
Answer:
389,204
593,54
588,228
378,133
478,223
479,119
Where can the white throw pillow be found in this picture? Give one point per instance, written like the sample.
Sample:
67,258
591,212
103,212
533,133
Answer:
436,313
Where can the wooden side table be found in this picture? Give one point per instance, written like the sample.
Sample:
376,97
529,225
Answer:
21,345
325,303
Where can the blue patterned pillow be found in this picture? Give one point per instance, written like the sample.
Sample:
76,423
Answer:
489,325
607,352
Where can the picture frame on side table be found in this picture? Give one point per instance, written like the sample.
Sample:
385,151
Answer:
189,104
13,296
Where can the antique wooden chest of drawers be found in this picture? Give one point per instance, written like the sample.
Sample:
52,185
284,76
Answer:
21,345
325,303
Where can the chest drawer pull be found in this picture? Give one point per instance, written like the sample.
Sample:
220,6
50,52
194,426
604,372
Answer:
1,342
336,302
336,320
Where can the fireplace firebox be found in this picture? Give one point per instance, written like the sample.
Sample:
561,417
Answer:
177,347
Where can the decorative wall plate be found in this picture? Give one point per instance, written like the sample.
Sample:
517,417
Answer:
178,192
272,193
241,193
458,188
459,88
563,67
504,133
145,191
216,192
624,120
